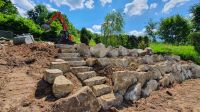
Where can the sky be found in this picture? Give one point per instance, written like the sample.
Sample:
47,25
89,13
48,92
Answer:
91,13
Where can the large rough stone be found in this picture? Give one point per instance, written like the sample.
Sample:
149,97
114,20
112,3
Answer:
1,46
147,60
113,52
177,73
91,61
123,51
99,50
164,67
143,68
173,57
51,74
123,79
83,49
83,100
101,89
62,65
167,80
148,51
195,71
134,92
62,86
104,61
151,86
110,100
120,62
141,52
157,58
133,52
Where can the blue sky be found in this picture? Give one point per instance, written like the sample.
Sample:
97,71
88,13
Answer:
91,13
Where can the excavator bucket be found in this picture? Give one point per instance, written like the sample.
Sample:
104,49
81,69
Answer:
46,27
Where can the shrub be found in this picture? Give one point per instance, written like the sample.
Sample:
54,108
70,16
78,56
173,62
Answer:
195,36
143,42
19,25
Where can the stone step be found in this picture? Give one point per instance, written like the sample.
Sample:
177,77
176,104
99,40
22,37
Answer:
102,89
77,63
95,81
63,46
72,58
85,75
69,55
79,69
68,50
110,100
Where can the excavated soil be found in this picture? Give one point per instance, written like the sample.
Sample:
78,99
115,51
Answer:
183,97
21,70
23,90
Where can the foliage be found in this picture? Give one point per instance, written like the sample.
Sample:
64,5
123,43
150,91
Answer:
7,7
186,52
19,25
85,36
174,30
143,42
150,30
195,10
113,24
38,14
195,36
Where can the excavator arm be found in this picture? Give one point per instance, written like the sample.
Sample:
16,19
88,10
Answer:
59,16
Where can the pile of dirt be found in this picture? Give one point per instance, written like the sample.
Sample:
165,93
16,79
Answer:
36,56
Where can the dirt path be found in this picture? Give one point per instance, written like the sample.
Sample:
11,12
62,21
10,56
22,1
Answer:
184,97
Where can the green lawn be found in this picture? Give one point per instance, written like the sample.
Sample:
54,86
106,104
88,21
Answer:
186,52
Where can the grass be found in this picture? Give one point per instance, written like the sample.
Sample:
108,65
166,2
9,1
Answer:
185,52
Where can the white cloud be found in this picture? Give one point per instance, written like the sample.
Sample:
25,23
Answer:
96,27
165,0
171,4
92,30
50,8
136,7
104,2
23,6
138,33
89,4
74,4
153,6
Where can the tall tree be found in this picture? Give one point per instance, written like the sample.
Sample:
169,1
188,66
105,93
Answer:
85,36
151,30
195,10
7,7
113,24
174,29
39,14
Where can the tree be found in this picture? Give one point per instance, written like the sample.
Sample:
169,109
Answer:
39,14
85,36
151,30
174,29
195,10
6,7
113,24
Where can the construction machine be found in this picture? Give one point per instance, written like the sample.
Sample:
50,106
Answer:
66,37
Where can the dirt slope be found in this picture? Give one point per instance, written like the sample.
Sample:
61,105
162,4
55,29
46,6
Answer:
183,97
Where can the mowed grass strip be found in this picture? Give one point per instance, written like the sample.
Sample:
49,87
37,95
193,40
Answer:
186,52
